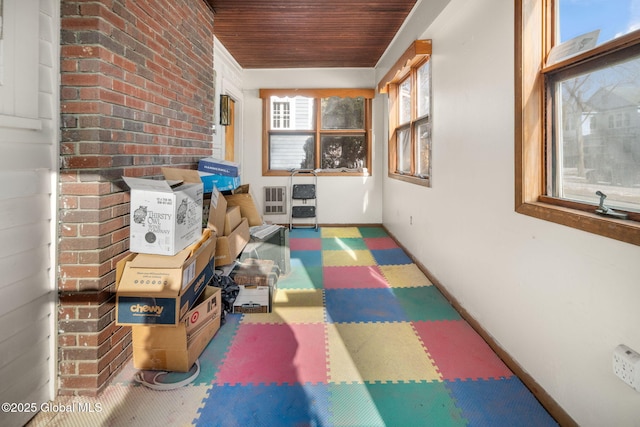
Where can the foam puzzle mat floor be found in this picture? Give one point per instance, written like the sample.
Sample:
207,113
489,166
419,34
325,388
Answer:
358,336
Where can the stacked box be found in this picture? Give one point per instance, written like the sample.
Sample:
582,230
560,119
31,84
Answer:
217,173
165,215
162,288
230,244
257,280
176,349
219,182
219,166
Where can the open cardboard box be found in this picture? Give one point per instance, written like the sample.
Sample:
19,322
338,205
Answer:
248,208
177,349
166,215
160,289
230,246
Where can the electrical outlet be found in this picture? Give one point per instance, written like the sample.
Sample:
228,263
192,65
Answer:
626,365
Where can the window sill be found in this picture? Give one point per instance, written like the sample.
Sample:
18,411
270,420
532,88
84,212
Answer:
425,182
627,231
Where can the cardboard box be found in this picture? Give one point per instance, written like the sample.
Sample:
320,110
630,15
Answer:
248,208
219,166
255,272
207,307
217,213
176,349
253,299
257,280
159,290
229,247
221,182
165,218
232,219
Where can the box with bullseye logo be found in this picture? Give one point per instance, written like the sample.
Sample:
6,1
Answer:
176,349
207,308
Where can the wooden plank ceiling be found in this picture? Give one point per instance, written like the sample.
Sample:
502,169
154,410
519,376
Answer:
308,33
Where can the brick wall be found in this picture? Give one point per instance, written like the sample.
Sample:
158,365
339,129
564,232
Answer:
136,94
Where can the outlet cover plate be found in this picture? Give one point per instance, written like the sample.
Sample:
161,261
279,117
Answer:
626,365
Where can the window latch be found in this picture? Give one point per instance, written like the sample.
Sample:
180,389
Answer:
605,211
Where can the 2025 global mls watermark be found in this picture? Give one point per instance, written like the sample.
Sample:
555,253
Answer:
52,407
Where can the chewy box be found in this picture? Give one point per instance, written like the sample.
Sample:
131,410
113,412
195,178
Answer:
177,348
166,216
159,290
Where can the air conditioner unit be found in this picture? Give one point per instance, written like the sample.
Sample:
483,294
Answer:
275,200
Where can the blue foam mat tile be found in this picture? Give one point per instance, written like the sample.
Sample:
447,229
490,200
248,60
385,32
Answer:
505,402
363,305
265,405
301,277
304,233
394,256
307,258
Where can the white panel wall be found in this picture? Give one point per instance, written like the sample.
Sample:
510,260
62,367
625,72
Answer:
341,200
29,111
557,299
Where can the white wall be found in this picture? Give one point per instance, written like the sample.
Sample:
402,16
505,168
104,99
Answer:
228,82
556,299
29,136
341,200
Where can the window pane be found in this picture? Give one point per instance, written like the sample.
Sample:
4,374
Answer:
424,89
404,98
288,152
343,152
597,123
423,149
281,116
295,113
612,18
342,113
404,151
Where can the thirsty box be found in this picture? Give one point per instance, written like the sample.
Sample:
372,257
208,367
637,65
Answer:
166,216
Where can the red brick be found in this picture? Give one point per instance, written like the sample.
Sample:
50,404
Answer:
116,121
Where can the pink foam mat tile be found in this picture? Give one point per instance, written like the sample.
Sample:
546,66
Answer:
380,243
459,352
276,353
305,244
354,277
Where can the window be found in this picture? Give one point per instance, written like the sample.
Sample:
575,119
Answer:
281,114
323,129
577,116
408,85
